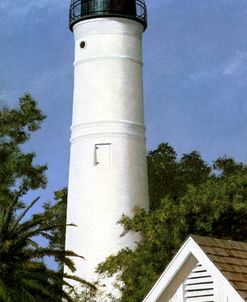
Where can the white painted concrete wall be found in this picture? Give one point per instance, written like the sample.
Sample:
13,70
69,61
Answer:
107,109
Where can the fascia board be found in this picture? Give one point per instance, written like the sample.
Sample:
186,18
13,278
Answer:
167,276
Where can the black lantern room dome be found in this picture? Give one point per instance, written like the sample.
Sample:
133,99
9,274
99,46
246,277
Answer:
88,9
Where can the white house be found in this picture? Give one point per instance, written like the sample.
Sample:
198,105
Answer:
204,270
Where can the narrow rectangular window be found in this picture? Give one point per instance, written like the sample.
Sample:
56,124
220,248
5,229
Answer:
103,155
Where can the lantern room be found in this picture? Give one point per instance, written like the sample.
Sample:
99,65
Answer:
87,9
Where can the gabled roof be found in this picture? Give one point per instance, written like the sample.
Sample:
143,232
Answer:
230,257
225,260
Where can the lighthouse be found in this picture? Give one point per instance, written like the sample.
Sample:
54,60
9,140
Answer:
108,171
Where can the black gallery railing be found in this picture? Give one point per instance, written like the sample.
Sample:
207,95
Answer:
86,9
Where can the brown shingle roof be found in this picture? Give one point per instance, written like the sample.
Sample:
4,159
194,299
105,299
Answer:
230,257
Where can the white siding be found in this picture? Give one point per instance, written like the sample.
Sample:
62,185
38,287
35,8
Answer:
198,287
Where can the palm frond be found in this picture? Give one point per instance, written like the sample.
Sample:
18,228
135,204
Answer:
80,280
22,215
23,275
5,295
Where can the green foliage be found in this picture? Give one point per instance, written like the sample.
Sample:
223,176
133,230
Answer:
24,276
85,294
191,198
18,174
56,211
168,176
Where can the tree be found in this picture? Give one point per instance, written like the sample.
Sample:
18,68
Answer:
191,198
168,176
24,277
18,174
23,273
56,211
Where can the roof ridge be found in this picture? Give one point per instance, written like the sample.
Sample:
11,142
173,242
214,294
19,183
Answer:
216,242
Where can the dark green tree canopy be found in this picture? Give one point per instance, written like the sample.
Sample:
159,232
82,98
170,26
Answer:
18,174
169,176
24,276
188,197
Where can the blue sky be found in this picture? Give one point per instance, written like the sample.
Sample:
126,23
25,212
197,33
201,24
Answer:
195,75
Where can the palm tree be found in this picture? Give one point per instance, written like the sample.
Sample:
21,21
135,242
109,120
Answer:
24,277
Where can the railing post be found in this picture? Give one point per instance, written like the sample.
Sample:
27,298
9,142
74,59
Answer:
81,9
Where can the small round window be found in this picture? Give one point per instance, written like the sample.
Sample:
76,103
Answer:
82,44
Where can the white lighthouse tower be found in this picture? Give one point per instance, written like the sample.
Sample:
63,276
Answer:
108,172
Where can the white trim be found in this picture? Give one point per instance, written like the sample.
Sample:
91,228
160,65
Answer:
108,128
86,60
112,122
109,135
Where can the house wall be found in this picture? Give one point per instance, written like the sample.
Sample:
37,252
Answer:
199,287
